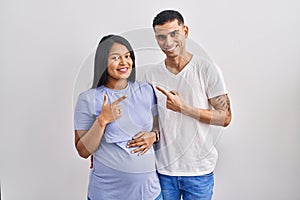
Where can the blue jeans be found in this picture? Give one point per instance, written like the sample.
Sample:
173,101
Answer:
160,197
189,187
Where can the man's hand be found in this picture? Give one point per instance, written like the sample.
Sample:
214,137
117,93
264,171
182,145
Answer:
143,140
174,101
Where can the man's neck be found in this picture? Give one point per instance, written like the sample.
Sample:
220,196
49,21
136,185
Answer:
176,63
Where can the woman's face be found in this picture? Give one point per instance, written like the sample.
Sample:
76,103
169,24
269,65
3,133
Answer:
119,63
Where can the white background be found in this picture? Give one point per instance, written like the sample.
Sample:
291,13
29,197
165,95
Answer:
44,43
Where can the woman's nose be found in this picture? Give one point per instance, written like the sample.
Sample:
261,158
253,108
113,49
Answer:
122,60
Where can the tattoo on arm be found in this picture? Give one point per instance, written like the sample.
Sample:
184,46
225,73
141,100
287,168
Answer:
222,112
222,103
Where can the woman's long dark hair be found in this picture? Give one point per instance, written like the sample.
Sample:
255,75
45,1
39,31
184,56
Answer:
102,52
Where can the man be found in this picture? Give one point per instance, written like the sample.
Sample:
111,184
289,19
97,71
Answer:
191,96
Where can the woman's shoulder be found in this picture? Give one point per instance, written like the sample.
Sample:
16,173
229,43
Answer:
91,93
143,89
142,85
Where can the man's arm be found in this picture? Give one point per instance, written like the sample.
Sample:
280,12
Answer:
220,115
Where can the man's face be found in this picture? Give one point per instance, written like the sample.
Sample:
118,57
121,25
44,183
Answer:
171,37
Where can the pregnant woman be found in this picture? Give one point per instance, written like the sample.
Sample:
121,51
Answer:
110,114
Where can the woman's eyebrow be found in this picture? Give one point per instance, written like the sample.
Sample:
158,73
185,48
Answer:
115,53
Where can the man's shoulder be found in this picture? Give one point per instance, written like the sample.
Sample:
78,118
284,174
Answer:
199,60
148,70
202,63
149,67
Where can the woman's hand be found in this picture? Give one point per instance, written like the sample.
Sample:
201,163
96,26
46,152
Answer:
143,140
110,112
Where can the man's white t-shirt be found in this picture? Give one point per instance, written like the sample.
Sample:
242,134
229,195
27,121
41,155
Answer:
186,146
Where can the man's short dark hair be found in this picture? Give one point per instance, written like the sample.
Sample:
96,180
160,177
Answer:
167,16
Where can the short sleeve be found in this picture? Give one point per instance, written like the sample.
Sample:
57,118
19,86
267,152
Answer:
215,82
141,74
153,101
83,115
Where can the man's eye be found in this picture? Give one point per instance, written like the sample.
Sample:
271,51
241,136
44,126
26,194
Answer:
161,37
174,33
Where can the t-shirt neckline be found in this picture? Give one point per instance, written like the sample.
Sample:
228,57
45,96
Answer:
117,91
181,72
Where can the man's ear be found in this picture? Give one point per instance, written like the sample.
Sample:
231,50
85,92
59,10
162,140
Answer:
186,31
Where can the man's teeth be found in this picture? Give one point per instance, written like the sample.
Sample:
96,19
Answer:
171,49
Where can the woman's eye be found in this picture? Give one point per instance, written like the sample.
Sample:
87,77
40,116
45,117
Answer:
115,57
127,56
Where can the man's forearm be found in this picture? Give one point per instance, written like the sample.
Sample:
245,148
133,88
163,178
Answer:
213,117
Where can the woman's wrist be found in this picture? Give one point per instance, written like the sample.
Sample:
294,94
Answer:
101,121
156,135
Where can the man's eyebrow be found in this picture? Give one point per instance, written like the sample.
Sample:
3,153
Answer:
168,32
174,31
160,33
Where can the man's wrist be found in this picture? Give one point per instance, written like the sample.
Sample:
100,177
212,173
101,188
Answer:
185,109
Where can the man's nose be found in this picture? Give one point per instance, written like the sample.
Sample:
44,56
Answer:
169,40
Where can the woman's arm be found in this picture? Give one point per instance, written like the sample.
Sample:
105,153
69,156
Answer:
144,140
87,141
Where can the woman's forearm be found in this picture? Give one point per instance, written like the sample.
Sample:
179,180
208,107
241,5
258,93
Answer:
88,141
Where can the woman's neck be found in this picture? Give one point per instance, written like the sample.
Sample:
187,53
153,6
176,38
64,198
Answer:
116,84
